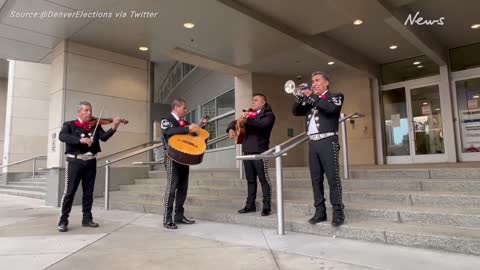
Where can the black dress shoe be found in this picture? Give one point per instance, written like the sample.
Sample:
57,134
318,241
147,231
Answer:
338,219
185,220
170,225
338,215
266,212
316,219
246,210
90,224
62,228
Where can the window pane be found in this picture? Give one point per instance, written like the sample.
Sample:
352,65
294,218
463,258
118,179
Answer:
212,129
209,109
465,57
226,102
194,116
222,127
405,70
187,117
468,98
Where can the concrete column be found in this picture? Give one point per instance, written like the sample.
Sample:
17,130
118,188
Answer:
108,80
3,107
26,114
447,114
377,116
243,100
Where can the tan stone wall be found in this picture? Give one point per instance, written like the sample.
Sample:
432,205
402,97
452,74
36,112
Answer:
273,88
108,80
360,134
358,98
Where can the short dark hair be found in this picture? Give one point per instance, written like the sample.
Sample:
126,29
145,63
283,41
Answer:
324,75
260,95
178,102
83,103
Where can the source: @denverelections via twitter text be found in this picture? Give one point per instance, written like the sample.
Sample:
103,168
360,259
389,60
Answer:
132,14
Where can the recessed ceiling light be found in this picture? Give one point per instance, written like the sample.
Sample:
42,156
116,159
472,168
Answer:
143,48
425,103
393,47
437,109
188,25
331,63
420,66
476,96
417,63
475,26
357,22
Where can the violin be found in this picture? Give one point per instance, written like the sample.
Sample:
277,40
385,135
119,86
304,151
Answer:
104,121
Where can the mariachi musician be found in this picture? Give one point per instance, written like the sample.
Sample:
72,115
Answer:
321,109
258,124
81,138
177,173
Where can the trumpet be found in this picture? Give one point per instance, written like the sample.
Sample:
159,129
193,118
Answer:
290,88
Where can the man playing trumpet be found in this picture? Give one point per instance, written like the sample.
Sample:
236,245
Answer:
322,110
258,125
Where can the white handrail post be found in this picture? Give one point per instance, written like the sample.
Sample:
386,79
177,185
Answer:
279,179
343,125
33,169
107,185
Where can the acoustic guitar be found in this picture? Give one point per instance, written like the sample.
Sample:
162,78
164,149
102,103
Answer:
188,149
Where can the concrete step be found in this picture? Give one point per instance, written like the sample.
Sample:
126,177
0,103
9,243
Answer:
412,198
27,183
472,173
37,179
23,193
390,213
464,240
432,173
23,187
447,185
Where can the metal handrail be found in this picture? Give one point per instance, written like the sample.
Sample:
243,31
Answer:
108,163
279,152
129,149
21,161
141,151
25,160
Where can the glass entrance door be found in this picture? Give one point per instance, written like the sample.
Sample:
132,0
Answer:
427,125
468,116
413,125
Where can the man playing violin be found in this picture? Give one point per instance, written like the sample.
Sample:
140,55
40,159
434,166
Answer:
258,125
177,174
81,147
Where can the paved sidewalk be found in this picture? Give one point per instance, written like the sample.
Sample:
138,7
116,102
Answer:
130,240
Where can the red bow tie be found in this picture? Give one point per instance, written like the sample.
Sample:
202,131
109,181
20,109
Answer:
181,122
323,97
83,125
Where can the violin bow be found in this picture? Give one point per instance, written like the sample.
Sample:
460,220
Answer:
98,122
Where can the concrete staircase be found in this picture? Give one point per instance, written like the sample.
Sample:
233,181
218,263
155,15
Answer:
428,208
26,187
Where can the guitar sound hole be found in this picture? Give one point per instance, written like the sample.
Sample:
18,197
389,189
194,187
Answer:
194,134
